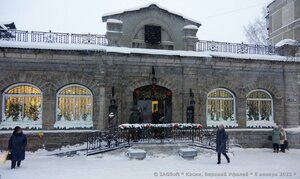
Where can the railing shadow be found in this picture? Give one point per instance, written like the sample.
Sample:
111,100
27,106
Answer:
115,138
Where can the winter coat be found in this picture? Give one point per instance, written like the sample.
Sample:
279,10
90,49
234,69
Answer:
282,136
17,144
221,140
275,136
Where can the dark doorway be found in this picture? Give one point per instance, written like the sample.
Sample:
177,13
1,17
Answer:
155,102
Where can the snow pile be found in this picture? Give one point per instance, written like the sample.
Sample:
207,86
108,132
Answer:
288,42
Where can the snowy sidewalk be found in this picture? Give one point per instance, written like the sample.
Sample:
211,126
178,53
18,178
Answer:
249,162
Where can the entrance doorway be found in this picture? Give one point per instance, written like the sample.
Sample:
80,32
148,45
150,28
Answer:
155,102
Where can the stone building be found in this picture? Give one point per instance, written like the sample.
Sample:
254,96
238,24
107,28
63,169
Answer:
284,20
150,59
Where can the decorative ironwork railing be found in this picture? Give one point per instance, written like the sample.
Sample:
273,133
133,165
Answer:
240,48
111,139
52,37
95,39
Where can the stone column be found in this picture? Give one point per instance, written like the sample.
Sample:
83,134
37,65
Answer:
114,32
190,37
288,48
99,118
291,104
240,105
49,111
202,109
177,105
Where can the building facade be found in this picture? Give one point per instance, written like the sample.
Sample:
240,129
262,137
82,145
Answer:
151,62
284,20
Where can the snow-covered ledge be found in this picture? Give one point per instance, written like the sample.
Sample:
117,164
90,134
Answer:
23,124
287,42
73,124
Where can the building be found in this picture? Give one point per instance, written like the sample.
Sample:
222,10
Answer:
150,58
283,20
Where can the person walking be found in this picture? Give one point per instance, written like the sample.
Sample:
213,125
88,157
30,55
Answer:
135,118
16,145
275,139
283,139
221,140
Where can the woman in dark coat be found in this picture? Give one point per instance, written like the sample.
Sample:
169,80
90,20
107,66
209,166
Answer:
221,140
16,145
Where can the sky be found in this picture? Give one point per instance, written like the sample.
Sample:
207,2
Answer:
222,20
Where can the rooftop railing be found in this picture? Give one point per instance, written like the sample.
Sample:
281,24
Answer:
239,48
52,37
95,39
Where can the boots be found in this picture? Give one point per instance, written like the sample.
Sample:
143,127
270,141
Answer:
226,156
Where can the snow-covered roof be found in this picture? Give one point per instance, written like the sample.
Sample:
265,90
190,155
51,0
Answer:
125,50
116,21
107,16
191,27
2,26
288,42
7,24
248,56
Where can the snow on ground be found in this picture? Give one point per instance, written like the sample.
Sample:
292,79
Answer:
158,164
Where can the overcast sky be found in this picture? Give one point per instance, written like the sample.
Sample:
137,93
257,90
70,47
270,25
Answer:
222,20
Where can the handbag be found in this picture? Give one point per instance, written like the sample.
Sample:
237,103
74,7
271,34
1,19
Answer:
6,156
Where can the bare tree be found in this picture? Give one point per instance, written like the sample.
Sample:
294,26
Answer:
256,32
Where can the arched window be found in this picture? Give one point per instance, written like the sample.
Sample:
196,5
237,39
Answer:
220,108
22,106
259,109
74,107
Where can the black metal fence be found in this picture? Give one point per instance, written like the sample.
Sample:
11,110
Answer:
239,48
52,37
95,39
111,139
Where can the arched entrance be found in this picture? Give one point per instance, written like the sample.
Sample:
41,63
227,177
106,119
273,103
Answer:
155,102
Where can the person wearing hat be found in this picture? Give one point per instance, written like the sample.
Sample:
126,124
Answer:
16,145
221,139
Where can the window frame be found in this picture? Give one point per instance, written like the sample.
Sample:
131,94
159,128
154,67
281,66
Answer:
219,99
259,101
74,97
6,94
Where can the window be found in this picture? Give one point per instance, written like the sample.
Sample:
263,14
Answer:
221,108
22,105
74,107
152,34
259,109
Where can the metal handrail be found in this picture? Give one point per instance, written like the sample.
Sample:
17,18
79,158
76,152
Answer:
95,39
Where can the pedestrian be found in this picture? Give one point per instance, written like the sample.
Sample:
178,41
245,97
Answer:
275,139
283,139
135,118
221,141
16,145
